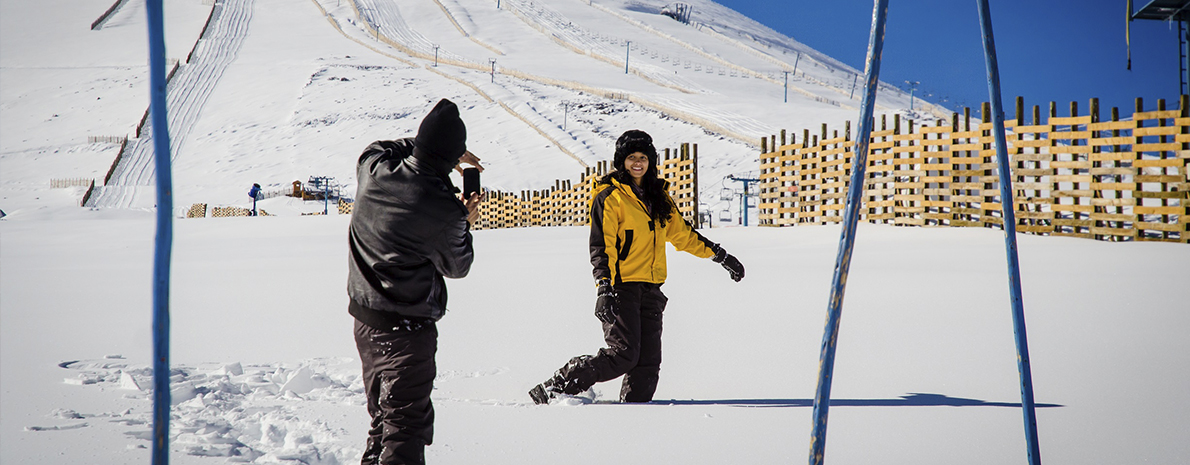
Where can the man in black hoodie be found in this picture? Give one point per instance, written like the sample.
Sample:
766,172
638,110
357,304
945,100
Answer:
408,231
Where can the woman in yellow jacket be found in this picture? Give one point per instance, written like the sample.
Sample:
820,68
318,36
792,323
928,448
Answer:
632,217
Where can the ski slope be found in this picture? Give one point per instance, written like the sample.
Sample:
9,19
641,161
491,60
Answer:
565,53
132,183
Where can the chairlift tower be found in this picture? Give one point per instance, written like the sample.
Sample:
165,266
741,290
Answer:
325,183
912,87
565,112
748,182
1168,11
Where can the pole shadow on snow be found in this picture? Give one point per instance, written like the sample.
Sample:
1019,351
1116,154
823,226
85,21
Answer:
910,400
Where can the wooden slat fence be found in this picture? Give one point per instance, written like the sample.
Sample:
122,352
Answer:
225,212
71,182
75,182
1076,175
198,210
566,203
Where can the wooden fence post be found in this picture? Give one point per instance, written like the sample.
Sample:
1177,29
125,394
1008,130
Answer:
988,178
1162,121
1184,113
1116,163
1096,171
1020,111
1079,166
694,179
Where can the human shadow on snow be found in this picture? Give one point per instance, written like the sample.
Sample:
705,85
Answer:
911,400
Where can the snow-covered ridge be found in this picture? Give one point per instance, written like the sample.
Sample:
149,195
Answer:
725,63
565,31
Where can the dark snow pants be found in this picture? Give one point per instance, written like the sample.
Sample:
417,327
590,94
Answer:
398,375
633,347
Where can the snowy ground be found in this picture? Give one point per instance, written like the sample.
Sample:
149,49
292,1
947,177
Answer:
265,369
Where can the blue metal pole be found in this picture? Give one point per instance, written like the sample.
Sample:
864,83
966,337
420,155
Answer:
745,203
1009,216
627,55
826,363
164,239
787,87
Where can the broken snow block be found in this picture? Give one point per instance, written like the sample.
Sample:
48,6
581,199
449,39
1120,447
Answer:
128,382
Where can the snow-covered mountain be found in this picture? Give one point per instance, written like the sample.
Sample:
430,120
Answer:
275,96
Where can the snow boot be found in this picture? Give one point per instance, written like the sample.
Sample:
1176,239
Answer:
542,394
575,377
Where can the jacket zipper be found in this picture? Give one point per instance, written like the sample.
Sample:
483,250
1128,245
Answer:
652,232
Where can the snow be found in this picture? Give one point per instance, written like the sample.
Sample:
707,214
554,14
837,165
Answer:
264,368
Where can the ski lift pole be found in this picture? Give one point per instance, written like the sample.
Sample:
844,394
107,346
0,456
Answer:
787,87
859,161
627,55
1009,217
326,195
164,239
744,196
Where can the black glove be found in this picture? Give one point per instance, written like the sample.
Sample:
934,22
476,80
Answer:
729,262
605,302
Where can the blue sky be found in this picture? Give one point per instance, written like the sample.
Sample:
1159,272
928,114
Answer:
1059,50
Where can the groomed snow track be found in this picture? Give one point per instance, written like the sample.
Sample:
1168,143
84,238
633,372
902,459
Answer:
385,16
132,182
385,21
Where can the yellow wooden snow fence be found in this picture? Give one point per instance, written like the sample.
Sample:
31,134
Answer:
1079,175
563,204
566,202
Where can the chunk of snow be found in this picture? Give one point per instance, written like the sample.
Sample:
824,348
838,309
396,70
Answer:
128,382
182,392
231,369
299,382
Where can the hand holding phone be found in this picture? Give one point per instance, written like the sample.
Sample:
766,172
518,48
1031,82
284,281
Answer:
470,182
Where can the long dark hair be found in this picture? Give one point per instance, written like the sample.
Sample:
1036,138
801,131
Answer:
651,185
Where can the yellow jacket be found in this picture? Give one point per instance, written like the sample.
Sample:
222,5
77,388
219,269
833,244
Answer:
627,245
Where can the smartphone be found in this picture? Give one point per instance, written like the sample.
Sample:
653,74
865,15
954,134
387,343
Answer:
470,182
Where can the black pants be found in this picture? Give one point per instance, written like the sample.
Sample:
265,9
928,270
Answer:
633,347
398,372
